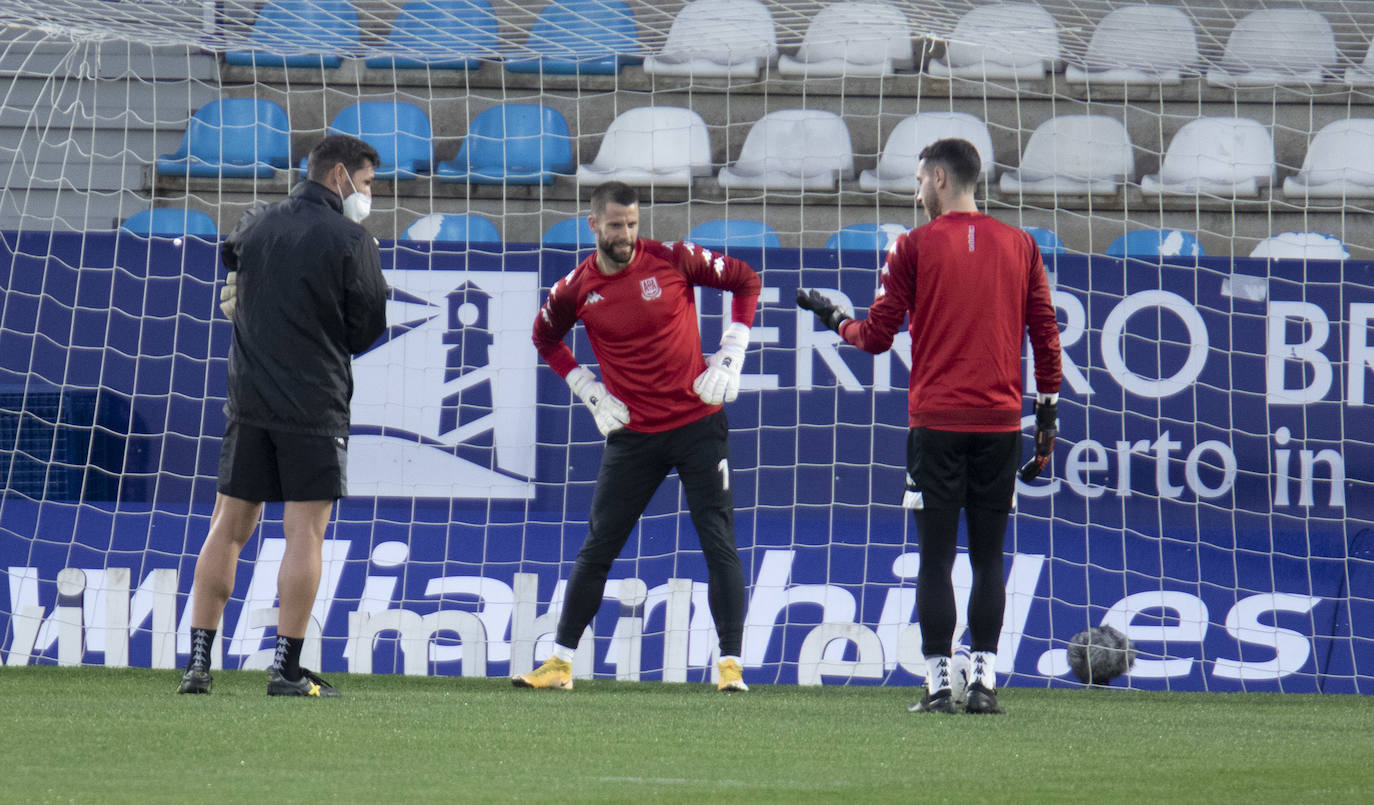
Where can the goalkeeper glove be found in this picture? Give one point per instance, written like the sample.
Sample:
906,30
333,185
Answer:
720,382
610,413
830,314
229,295
1046,429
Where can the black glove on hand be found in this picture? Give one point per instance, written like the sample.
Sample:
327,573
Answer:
1046,429
825,310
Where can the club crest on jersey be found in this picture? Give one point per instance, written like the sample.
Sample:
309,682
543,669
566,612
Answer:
648,288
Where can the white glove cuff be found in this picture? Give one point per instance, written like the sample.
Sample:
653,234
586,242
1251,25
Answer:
736,335
579,378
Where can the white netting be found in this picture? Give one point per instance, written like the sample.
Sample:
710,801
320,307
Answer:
1213,493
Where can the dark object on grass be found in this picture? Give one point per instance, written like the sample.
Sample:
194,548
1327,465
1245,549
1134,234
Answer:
1101,654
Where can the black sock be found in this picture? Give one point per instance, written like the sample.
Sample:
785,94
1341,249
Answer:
288,659
201,640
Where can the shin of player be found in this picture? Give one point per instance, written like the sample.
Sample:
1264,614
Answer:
658,404
306,293
969,288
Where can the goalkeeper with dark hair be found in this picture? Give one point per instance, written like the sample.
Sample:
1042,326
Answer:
971,287
659,409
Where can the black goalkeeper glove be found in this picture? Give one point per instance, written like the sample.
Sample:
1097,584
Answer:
1046,430
829,314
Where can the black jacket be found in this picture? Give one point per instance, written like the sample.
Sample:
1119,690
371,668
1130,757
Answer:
310,295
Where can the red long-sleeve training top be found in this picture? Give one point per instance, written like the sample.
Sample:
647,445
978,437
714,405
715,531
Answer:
642,324
972,287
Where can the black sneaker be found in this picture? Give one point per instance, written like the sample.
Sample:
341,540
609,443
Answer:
981,700
940,702
309,684
195,681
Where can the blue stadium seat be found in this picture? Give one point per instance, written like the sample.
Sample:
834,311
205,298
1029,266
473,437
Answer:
399,131
170,222
440,34
301,33
726,232
232,138
512,144
575,232
453,228
581,37
1156,243
865,237
1047,240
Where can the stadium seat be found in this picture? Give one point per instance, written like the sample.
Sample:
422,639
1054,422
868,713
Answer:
581,37
1362,74
727,232
574,232
718,39
453,228
1276,46
1139,44
284,28
1301,246
793,149
1156,243
896,171
170,222
852,38
652,145
440,34
1047,240
1339,163
1005,40
512,143
232,138
864,243
399,131
1224,156
1074,154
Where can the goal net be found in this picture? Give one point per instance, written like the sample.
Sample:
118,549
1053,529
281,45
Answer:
1199,175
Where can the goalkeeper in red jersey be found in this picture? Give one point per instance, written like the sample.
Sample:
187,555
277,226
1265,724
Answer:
971,288
659,409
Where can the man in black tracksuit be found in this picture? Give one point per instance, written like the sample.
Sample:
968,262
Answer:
305,293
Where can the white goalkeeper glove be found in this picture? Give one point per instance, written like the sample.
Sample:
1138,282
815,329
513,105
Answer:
720,382
229,295
610,413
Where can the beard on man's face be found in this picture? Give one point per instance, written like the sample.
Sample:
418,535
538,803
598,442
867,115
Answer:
618,250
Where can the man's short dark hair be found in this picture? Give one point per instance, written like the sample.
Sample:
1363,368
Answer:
613,193
352,152
958,157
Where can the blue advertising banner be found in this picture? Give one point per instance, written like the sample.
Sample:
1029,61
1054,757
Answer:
1211,491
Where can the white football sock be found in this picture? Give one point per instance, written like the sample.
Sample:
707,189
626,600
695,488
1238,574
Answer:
563,653
937,673
984,670
730,657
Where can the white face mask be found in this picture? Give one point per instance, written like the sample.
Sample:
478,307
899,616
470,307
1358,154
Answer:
357,206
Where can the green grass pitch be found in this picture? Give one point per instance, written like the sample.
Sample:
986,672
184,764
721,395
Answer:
106,735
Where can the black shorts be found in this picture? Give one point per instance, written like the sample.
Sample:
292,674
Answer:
954,470
263,465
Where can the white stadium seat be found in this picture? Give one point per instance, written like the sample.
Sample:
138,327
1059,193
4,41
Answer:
793,149
1005,40
1301,246
1276,46
1339,163
1139,44
652,145
718,38
1222,156
1362,74
896,171
853,38
1074,154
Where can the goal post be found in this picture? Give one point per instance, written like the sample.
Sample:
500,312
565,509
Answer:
1211,491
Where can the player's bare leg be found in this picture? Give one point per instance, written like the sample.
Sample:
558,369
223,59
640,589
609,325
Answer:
231,524
298,580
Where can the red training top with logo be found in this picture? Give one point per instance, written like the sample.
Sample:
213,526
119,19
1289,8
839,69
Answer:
642,324
972,286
